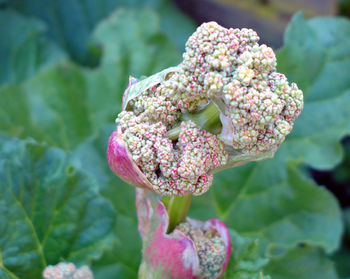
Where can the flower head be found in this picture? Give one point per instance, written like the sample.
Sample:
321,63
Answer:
223,106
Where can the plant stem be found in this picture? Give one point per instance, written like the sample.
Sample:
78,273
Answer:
207,118
177,208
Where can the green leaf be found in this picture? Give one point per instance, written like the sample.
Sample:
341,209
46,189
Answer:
302,263
316,56
24,50
66,104
245,262
280,207
143,47
72,32
50,107
129,47
123,259
49,210
74,108
178,26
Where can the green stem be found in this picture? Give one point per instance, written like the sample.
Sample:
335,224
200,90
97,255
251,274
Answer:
177,208
207,118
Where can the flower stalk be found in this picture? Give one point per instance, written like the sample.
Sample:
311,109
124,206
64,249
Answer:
177,208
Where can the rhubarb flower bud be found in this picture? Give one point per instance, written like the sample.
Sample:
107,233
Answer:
193,250
223,106
67,271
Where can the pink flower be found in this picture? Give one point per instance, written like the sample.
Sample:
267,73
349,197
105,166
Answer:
193,250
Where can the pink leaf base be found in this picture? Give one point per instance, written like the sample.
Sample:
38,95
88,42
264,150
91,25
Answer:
120,161
171,255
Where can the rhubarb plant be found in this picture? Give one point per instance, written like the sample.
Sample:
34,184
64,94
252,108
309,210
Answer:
223,106
252,212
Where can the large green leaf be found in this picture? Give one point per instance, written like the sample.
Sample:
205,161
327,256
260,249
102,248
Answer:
123,259
129,47
279,206
49,210
302,263
50,107
71,23
316,55
66,104
23,48
245,261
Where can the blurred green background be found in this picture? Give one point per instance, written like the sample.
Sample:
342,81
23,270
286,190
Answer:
64,66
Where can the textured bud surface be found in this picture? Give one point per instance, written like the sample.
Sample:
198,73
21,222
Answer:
172,168
163,131
233,69
67,271
210,246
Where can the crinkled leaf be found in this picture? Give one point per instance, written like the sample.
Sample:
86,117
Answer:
245,261
23,49
302,263
69,23
50,107
63,103
143,47
129,47
316,56
72,32
49,210
279,206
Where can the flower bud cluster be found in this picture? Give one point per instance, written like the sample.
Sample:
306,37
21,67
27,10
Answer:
156,106
177,168
255,108
67,271
211,248
229,67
